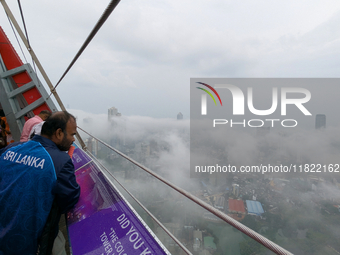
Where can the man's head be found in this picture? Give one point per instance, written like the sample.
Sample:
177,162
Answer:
60,128
44,115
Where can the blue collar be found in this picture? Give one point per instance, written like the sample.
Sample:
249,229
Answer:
45,142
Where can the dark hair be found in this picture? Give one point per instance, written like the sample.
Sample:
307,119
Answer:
56,121
45,112
2,127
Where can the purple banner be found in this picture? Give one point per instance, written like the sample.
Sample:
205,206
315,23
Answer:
102,222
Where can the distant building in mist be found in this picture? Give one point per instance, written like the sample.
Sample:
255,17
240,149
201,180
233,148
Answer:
145,151
92,146
236,189
153,148
113,112
320,121
179,116
117,129
198,238
175,229
219,202
88,120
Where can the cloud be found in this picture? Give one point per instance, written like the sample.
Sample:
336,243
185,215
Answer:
150,50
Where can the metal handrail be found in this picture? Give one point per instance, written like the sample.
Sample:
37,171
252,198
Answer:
244,229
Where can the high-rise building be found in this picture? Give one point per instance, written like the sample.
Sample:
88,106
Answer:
117,131
320,121
113,112
92,146
179,116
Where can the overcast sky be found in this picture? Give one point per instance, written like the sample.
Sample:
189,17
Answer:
142,59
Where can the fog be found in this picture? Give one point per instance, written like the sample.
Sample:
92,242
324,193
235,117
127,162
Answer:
300,198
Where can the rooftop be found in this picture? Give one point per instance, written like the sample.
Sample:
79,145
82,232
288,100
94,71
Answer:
254,207
236,206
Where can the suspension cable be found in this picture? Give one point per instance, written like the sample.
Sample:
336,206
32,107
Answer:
96,28
249,232
141,205
16,37
23,22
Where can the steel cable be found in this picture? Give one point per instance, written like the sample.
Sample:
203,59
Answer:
23,22
112,5
9,20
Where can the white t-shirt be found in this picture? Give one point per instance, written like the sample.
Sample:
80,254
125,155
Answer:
36,129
